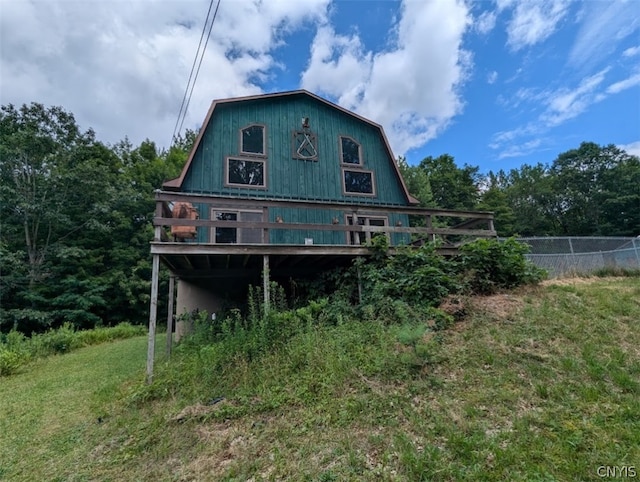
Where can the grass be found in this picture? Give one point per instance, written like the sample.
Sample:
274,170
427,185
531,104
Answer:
50,411
543,384
17,350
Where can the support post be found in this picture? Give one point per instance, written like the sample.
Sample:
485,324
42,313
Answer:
359,286
265,282
492,226
429,224
153,313
172,281
356,234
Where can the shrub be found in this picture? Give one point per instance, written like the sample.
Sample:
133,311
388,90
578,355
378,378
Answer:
16,349
419,277
10,361
487,265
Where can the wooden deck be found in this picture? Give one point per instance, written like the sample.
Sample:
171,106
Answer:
231,265
470,224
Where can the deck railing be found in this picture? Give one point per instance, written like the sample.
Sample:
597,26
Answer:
436,222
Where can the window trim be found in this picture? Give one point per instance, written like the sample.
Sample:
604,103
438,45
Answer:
228,183
349,193
368,235
264,141
360,153
238,213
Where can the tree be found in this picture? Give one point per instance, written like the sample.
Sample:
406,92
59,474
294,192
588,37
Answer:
494,198
452,187
36,148
417,182
598,190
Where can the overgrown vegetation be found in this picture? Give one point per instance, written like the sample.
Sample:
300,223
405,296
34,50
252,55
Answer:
537,384
406,291
17,350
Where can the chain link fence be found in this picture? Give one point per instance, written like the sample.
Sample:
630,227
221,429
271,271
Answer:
583,255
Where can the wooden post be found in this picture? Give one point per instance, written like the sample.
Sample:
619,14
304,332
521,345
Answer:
172,281
429,221
359,286
265,282
153,313
265,231
356,234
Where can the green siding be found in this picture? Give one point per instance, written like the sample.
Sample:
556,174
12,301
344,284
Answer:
289,178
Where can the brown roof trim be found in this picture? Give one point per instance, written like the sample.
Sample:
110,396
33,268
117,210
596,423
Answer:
176,184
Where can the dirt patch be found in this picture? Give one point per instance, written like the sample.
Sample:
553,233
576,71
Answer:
578,281
502,306
197,411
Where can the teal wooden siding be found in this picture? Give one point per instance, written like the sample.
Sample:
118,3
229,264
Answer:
289,178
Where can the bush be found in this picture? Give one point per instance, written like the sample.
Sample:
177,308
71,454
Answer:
10,361
487,265
419,277
17,350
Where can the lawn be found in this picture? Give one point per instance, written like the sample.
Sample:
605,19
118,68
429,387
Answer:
542,384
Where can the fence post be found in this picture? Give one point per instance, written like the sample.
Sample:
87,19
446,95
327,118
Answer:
573,256
635,248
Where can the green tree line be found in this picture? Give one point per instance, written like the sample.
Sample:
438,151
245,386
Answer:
76,213
75,221
588,191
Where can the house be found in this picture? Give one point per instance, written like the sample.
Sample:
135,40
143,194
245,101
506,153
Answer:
283,184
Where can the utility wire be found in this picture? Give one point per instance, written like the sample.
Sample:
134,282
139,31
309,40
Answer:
184,106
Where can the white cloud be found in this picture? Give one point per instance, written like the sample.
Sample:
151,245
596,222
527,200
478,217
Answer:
533,21
409,89
624,84
567,103
520,149
633,148
558,106
604,24
121,67
492,77
485,22
631,51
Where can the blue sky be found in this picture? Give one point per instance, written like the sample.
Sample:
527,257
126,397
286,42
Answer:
493,83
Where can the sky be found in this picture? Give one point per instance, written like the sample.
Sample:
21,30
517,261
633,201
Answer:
494,83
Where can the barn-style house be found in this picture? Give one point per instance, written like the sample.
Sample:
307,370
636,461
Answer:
282,185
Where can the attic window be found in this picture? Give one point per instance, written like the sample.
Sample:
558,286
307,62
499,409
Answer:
245,173
358,182
350,151
252,140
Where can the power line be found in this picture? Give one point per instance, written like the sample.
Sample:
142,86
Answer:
184,106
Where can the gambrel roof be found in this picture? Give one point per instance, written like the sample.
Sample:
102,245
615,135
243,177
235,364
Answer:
176,184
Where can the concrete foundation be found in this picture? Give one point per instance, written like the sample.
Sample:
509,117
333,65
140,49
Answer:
193,297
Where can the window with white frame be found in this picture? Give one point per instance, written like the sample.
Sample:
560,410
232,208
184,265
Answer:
358,182
236,235
350,151
245,172
253,140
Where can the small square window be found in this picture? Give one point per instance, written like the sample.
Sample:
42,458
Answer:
245,173
350,152
226,235
252,140
358,182
222,235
